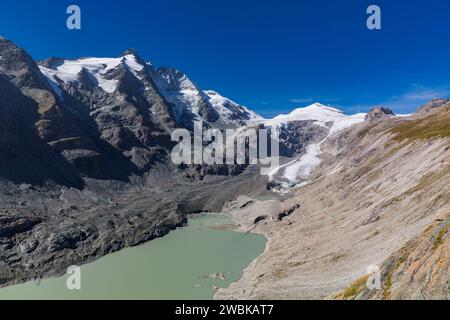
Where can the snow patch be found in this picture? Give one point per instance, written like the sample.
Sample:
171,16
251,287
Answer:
132,64
347,122
50,76
68,71
229,110
305,165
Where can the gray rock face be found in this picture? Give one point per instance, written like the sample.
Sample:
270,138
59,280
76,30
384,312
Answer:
18,65
24,156
296,135
35,123
131,124
379,113
432,106
190,102
12,225
419,270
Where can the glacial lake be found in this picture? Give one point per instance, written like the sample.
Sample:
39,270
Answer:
186,264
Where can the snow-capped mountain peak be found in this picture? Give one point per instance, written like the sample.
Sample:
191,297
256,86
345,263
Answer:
322,115
315,111
325,120
189,103
68,71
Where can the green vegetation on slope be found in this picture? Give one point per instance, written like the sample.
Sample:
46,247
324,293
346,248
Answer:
354,289
436,125
440,238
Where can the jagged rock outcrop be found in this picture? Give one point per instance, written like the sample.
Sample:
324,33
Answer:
295,136
191,103
432,106
379,113
122,108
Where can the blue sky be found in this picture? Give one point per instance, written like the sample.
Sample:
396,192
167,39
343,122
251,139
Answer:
272,56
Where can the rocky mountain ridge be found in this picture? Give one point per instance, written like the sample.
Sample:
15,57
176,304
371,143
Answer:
112,118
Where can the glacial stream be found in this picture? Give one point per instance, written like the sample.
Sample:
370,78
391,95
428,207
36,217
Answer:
189,263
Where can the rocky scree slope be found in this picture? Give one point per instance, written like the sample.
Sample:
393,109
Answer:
380,198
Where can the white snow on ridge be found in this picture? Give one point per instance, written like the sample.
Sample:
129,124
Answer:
175,86
132,64
186,95
323,115
317,112
68,71
50,75
179,90
347,122
185,99
224,107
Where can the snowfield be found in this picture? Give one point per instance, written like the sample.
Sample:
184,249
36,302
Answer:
320,113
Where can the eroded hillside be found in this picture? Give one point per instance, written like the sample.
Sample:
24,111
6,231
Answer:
381,185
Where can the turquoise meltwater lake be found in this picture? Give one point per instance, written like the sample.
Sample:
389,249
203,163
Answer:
189,264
